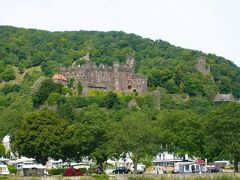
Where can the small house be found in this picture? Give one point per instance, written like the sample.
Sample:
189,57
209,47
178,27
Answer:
198,166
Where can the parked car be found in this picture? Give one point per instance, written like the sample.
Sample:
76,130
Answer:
214,169
121,170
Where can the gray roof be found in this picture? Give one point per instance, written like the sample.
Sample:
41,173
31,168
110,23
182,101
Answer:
224,97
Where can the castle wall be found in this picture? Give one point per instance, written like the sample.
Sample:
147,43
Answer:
116,78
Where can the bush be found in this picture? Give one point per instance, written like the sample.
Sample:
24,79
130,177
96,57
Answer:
59,171
8,88
12,169
93,169
8,74
84,170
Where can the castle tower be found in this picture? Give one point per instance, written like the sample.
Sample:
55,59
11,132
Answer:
130,62
202,67
116,66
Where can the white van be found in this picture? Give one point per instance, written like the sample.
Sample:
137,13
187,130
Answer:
140,168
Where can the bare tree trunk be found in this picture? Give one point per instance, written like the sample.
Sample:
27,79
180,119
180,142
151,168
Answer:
236,159
101,165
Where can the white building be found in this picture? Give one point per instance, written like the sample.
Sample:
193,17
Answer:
6,142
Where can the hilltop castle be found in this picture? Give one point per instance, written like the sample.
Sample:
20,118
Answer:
202,66
119,77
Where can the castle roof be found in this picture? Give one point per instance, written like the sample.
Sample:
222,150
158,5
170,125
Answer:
59,77
224,97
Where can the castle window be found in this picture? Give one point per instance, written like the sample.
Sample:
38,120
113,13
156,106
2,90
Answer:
134,90
129,87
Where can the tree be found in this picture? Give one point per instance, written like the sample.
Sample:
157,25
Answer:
182,132
7,88
65,108
8,74
91,133
41,135
70,82
222,130
111,100
2,150
135,135
42,88
79,88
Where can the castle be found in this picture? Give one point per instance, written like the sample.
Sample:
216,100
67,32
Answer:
119,77
202,66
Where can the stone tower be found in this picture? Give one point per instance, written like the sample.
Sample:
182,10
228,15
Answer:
130,62
202,67
116,66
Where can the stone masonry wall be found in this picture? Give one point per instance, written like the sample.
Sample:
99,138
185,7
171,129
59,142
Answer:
120,77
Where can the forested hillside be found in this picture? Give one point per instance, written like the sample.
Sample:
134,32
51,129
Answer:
37,112
167,66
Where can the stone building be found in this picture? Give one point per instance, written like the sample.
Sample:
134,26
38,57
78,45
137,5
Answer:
119,77
202,66
224,98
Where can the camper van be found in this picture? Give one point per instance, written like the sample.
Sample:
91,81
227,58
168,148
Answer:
3,169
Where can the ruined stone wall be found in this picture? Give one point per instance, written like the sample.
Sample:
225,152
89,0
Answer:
116,78
202,66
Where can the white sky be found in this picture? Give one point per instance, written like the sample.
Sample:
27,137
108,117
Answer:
212,26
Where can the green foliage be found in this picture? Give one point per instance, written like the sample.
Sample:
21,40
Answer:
65,108
42,88
91,133
40,135
53,98
58,171
8,88
166,65
182,132
12,169
222,128
100,125
79,88
135,135
8,74
2,150
70,82
111,100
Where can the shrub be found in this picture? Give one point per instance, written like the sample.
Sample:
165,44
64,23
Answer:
84,170
8,88
8,74
12,169
58,171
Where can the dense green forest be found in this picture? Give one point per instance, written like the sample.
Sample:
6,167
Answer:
38,112
167,66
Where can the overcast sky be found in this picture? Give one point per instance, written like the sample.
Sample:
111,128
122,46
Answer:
212,26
